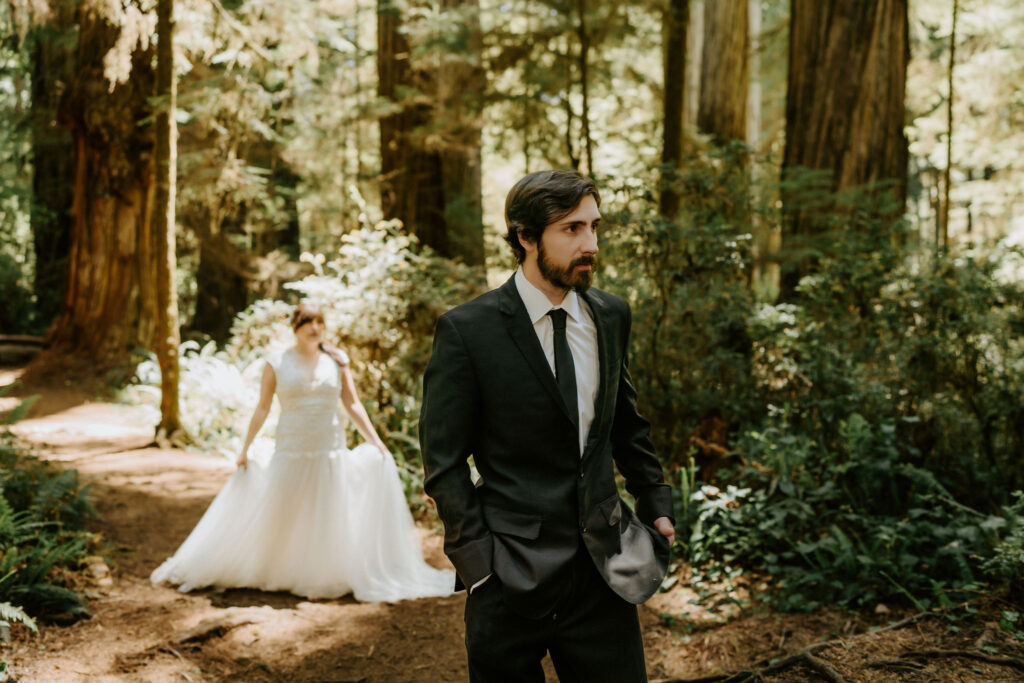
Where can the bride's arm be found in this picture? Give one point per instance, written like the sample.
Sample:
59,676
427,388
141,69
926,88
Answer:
356,411
259,416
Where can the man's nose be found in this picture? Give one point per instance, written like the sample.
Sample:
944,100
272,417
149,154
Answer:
590,242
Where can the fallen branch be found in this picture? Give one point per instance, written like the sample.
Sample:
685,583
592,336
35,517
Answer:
895,665
805,657
1002,660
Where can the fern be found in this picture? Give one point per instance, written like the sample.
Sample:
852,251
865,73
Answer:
9,613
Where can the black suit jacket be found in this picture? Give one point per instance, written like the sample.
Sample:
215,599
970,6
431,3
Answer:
489,392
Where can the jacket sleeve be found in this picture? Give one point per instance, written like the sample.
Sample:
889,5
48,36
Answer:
447,421
633,451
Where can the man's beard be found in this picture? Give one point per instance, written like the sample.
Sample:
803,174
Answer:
567,278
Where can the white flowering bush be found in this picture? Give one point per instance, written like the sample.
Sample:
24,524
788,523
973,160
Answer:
217,395
381,295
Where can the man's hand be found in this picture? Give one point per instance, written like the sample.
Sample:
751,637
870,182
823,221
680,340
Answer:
664,526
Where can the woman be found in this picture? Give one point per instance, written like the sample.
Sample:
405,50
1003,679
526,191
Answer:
318,520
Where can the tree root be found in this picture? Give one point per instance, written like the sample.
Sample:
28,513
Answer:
895,665
807,658
1001,660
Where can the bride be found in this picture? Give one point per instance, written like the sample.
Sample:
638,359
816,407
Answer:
317,520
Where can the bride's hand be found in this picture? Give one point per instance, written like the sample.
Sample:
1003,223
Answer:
243,459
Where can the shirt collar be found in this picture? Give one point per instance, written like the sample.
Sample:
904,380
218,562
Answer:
537,303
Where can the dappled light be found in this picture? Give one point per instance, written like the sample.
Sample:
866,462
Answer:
704,312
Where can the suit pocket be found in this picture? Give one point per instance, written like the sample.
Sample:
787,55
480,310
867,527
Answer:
507,522
611,509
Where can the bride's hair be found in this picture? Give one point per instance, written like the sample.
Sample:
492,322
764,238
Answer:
306,313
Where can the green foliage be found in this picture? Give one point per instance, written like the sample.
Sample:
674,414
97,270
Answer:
18,310
1007,560
42,511
688,282
9,613
873,423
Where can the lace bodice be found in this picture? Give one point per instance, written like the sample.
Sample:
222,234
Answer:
311,421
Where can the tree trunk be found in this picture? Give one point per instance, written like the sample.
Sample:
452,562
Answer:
168,338
947,175
110,301
222,285
461,83
725,71
430,180
675,86
844,107
694,57
584,58
52,162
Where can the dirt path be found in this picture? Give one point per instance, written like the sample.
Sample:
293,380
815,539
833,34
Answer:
149,499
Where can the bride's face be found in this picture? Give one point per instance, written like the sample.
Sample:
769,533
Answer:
311,332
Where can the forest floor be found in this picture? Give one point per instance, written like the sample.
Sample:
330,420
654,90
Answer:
149,498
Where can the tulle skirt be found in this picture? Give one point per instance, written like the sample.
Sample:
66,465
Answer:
316,525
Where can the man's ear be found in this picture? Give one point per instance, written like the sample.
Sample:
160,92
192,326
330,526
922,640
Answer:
528,245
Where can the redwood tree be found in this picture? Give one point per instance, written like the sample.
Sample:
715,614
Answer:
52,160
430,142
674,78
110,300
844,107
725,70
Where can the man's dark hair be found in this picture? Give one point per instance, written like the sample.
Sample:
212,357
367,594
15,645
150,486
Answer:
538,200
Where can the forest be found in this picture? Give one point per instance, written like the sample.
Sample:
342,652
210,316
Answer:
815,209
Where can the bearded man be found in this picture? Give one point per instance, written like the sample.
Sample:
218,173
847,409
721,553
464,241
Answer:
532,381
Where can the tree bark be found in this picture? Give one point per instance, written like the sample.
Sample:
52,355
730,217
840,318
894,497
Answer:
725,71
947,175
52,162
694,57
461,83
430,179
844,107
168,338
109,306
675,87
584,57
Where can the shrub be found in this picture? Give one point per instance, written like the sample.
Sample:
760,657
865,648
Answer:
42,513
868,428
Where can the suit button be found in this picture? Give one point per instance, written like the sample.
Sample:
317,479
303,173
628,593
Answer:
581,475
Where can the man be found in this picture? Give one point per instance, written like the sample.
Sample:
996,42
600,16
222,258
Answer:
531,380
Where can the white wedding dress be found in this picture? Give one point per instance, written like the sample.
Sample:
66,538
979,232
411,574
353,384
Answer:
317,519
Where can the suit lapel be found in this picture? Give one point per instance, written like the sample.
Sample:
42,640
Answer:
605,342
517,322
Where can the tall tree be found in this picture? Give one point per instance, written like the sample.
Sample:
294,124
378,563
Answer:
947,174
674,71
725,70
168,338
430,176
52,159
844,107
110,300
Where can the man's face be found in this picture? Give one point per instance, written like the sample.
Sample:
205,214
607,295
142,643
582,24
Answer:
567,251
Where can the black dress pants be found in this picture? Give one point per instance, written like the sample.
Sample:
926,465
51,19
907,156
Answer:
593,635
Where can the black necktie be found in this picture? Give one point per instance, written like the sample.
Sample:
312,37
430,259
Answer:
565,369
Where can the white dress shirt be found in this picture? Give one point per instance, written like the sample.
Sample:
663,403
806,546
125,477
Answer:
580,332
